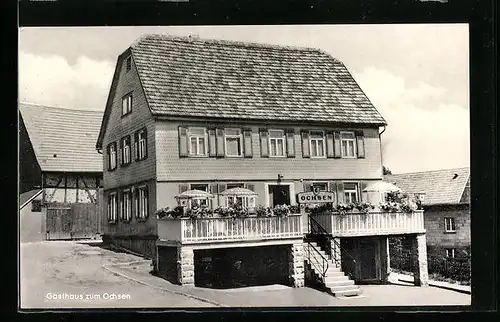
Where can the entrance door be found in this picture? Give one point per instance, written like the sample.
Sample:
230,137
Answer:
368,253
279,195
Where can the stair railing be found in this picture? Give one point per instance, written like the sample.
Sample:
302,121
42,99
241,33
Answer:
317,261
332,247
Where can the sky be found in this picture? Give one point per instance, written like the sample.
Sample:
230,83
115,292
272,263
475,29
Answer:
416,75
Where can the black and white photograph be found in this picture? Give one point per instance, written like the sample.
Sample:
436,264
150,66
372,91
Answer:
244,166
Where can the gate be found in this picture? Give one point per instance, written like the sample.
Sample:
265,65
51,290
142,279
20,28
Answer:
73,221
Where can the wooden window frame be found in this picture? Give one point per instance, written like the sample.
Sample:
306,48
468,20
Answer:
142,209
112,156
283,142
354,144
127,102
350,191
128,63
453,225
144,154
123,149
112,207
450,250
238,136
198,137
124,207
323,140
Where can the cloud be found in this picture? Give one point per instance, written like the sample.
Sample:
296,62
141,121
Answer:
423,132
51,80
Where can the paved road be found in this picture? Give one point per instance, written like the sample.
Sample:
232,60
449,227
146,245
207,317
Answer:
71,275
70,269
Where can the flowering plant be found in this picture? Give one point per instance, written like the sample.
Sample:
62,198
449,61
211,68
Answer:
398,201
199,212
389,206
343,208
262,211
294,209
281,210
364,207
319,209
168,212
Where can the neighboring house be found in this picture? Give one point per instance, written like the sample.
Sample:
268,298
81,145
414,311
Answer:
446,203
57,157
186,114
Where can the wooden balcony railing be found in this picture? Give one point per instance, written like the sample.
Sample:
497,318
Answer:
372,223
202,230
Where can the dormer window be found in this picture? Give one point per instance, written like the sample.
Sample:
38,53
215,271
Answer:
127,104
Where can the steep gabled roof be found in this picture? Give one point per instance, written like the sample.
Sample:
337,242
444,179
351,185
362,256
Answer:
235,80
440,186
63,139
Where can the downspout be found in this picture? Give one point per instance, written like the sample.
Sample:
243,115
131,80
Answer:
381,156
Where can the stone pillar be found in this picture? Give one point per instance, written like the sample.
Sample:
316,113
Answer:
385,260
336,255
185,266
296,265
419,258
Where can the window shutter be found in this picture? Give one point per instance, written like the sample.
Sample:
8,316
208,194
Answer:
220,142
340,192
247,143
305,144
109,158
336,143
136,145
363,195
146,143
360,144
307,186
330,151
183,187
264,143
213,188
183,142
290,143
332,187
212,140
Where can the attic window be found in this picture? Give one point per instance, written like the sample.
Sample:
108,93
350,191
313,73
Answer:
128,63
455,176
55,155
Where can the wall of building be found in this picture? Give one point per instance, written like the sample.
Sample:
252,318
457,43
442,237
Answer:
166,191
71,187
31,223
437,238
171,167
118,127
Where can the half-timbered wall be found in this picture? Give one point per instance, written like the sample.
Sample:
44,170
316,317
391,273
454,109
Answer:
71,187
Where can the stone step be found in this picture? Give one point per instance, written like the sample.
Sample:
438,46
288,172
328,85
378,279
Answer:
339,282
347,292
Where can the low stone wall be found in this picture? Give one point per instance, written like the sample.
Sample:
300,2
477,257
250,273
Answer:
144,246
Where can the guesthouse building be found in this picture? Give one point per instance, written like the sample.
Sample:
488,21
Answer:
191,116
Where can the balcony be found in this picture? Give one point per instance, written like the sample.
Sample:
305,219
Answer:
216,229
354,224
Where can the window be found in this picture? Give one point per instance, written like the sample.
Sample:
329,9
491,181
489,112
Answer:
277,143
317,144
36,206
348,143
449,224
142,145
202,187
126,213
142,203
112,156
112,209
234,142
321,186
197,141
128,63
350,192
126,154
127,104
450,252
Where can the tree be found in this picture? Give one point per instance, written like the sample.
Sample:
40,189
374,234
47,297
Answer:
386,170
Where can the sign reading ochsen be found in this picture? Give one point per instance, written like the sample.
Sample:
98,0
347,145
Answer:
315,197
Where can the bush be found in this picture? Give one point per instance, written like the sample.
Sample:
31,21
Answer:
167,212
281,210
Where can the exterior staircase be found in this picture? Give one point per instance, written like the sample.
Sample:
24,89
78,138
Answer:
327,274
